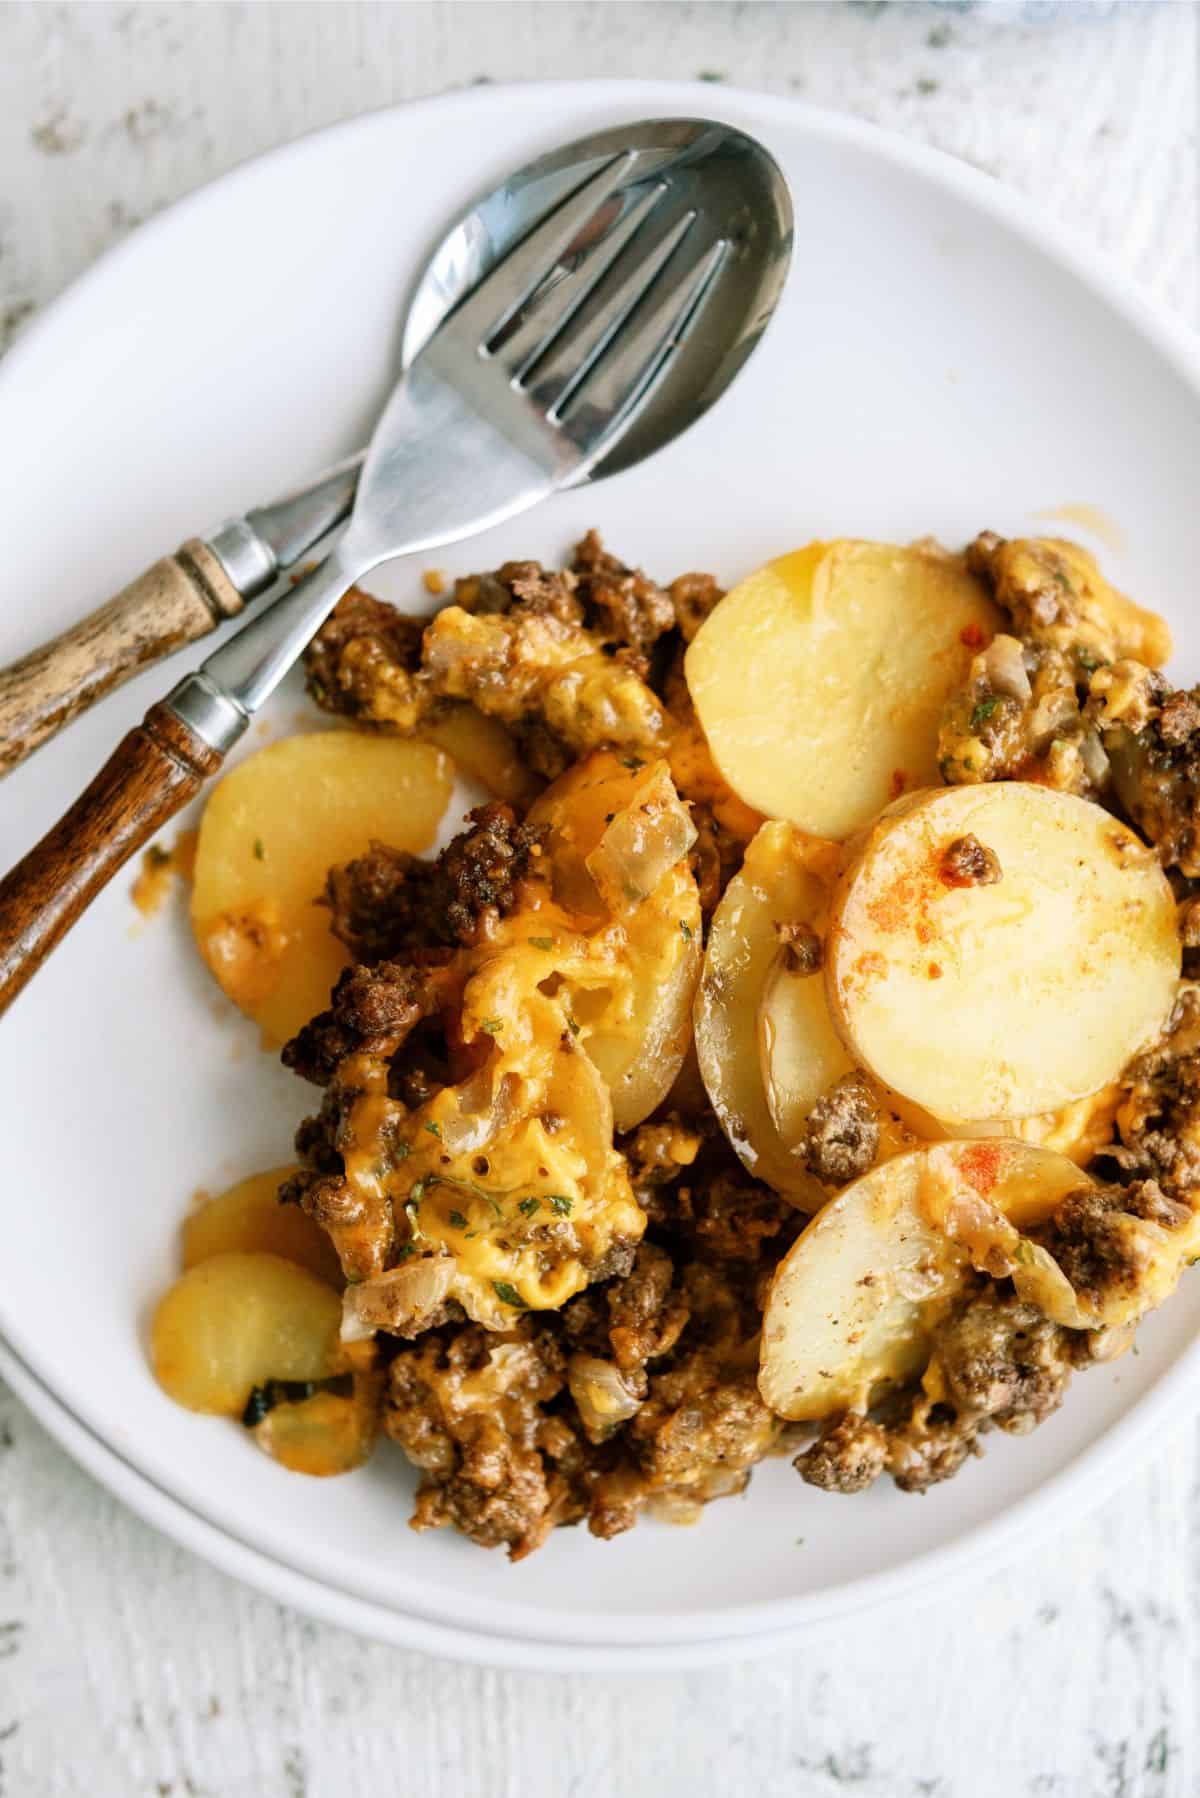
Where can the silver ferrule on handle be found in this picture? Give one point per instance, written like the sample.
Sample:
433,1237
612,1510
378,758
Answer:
256,549
246,670
211,714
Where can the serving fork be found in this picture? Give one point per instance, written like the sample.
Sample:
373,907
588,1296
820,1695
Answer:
532,377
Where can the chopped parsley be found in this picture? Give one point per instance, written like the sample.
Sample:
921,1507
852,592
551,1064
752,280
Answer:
457,1221
508,1295
434,1129
685,930
403,1253
401,1151
572,1026
541,942
477,1192
490,1026
983,711
260,854
632,762
527,1207
560,1203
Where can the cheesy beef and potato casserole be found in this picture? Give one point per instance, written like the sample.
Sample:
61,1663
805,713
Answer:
792,1053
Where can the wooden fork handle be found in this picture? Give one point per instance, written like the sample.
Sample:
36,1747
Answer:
152,774
177,600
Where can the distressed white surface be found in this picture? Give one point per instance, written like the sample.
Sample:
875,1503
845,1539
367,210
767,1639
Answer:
128,1668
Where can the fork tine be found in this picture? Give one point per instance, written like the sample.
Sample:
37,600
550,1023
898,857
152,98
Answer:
489,306
535,325
643,353
575,351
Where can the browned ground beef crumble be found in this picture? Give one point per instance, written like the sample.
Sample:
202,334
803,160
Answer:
494,1421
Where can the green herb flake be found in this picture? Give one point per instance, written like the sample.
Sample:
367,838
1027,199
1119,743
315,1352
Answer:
401,1151
1025,1254
572,1026
541,942
527,1207
559,1202
260,854
405,1252
434,1129
632,762
685,930
490,1026
508,1295
457,1221
983,711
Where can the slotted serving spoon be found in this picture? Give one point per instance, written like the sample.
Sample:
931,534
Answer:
181,598
533,375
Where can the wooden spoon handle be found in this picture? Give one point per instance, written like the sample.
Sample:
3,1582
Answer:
152,774
177,600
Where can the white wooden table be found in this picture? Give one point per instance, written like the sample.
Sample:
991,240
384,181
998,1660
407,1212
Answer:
128,1668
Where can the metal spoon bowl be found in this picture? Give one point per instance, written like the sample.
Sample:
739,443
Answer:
759,256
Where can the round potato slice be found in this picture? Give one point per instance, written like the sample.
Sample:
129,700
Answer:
852,1304
1011,997
248,1218
819,681
271,832
236,1321
783,880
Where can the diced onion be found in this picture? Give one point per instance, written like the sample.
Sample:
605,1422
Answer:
642,842
601,1396
400,1301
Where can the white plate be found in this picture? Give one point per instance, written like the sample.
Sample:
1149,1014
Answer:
941,363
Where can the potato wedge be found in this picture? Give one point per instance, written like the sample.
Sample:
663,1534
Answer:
852,1304
236,1321
784,879
819,681
272,830
248,1219
1008,999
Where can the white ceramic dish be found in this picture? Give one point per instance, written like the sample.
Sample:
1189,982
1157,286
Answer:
942,362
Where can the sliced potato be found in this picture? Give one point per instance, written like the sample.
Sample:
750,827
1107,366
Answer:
820,680
249,1218
481,746
236,1321
852,1304
328,1433
618,838
272,830
1008,999
784,879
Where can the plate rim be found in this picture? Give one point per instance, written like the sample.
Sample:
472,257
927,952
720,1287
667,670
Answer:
1096,1471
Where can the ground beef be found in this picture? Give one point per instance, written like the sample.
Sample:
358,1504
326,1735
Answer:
803,949
1090,1237
362,644
622,605
693,597
522,587
371,1011
966,862
848,1456
646,1314
1000,1365
1156,772
387,902
1159,1116
468,1409
841,1139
